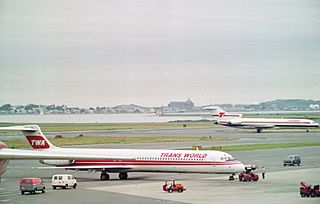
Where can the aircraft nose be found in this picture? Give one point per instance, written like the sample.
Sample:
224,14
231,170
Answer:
240,167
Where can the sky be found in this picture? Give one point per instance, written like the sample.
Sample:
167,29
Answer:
146,52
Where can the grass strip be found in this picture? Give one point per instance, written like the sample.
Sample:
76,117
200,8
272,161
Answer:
252,147
87,140
62,127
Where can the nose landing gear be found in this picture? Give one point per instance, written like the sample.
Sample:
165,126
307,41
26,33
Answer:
231,178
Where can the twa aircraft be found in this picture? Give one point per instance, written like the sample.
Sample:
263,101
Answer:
236,121
265,123
218,112
119,161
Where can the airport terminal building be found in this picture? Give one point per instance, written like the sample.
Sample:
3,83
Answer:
182,105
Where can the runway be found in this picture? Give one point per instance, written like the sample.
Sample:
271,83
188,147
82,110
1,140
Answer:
280,186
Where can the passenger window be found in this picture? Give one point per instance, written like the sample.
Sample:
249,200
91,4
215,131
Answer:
60,177
55,178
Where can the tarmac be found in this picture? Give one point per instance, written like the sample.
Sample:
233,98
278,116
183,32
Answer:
281,184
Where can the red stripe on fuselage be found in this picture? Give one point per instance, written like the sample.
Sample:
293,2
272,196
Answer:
278,122
148,162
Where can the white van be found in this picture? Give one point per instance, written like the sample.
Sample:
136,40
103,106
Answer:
63,181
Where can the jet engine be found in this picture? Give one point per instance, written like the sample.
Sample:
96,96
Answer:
234,122
57,162
3,163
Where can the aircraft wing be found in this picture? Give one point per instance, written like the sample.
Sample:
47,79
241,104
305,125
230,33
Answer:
262,126
115,168
10,154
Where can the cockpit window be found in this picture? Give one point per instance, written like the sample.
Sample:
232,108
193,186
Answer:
230,159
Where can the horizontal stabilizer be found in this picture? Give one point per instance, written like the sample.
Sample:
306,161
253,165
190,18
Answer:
21,128
6,153
106,167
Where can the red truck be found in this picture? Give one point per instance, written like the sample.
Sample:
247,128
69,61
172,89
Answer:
306,190
247,175
170,185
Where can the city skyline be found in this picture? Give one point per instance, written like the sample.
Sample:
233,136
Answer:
107,53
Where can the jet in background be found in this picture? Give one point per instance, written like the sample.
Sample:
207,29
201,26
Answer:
217,112
119,161
237,121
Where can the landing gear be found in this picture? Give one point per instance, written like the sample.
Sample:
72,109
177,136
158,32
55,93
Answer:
104,176
259,130
123,176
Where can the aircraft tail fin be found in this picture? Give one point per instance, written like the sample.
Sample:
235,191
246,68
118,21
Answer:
216,111
220,113
35,137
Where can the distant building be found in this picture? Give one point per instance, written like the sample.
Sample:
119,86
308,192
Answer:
181,105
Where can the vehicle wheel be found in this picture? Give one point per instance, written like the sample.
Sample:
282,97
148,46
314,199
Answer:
43,191
33,192
284,165
302,195
54,187
123,176
180,191
313,194
104,176
75,185
170,190
240,178
22,192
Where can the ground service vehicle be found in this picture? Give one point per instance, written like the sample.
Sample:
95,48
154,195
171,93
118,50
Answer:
63,181
292,160
170,185
31,185
306,190
247,175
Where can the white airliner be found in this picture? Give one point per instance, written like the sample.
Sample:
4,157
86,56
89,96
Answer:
236,121
119,161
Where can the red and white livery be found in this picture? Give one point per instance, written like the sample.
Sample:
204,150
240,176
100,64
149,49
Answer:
237,121
217,112
120,161
265,123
